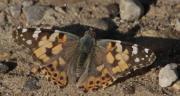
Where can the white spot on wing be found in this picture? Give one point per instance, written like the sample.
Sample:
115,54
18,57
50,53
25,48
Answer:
146,56
24,30
136,60
56,31
118,41
38,29
141,65
146,50
29,42
35,36
119,47
36,33
142,58
135,67
135,49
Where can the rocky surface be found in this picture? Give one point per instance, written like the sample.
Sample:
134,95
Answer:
176,86
157,28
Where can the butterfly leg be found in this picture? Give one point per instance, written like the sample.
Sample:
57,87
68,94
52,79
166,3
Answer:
110,72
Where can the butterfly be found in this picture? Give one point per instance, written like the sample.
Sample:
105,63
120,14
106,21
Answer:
88,63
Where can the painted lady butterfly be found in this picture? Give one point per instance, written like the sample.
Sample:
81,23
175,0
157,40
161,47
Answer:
83,61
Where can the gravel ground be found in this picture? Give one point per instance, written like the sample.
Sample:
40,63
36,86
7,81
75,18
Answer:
158,28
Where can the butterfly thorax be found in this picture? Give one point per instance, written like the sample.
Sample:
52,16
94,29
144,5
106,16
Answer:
86,46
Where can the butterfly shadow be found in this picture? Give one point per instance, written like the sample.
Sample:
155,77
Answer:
135,73
79,30
147,3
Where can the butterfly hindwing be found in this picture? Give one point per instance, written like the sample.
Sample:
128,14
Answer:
98,76
53,48
114,59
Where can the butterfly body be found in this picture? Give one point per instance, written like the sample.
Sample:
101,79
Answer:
86,46
82,61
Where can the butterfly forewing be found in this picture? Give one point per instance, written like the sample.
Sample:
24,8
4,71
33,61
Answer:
124,56
114,59
53,48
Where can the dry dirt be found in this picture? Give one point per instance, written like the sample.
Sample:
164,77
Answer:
155,29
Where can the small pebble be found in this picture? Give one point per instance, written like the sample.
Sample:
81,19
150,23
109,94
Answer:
31,84
59,9
15,10
168,75
27,3
177,25
3,67
59,2
34,13
131,10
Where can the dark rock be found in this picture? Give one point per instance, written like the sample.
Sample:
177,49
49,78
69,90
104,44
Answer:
31,84
3,68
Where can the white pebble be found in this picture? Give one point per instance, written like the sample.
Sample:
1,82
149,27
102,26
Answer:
135,49
130,9
168,75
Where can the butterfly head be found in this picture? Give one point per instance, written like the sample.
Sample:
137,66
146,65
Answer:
90,33
87,41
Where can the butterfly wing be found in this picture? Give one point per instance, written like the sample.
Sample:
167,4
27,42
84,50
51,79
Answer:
53,48
113,59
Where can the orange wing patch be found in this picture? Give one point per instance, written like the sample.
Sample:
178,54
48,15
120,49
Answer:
117,56
93,83
54,74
